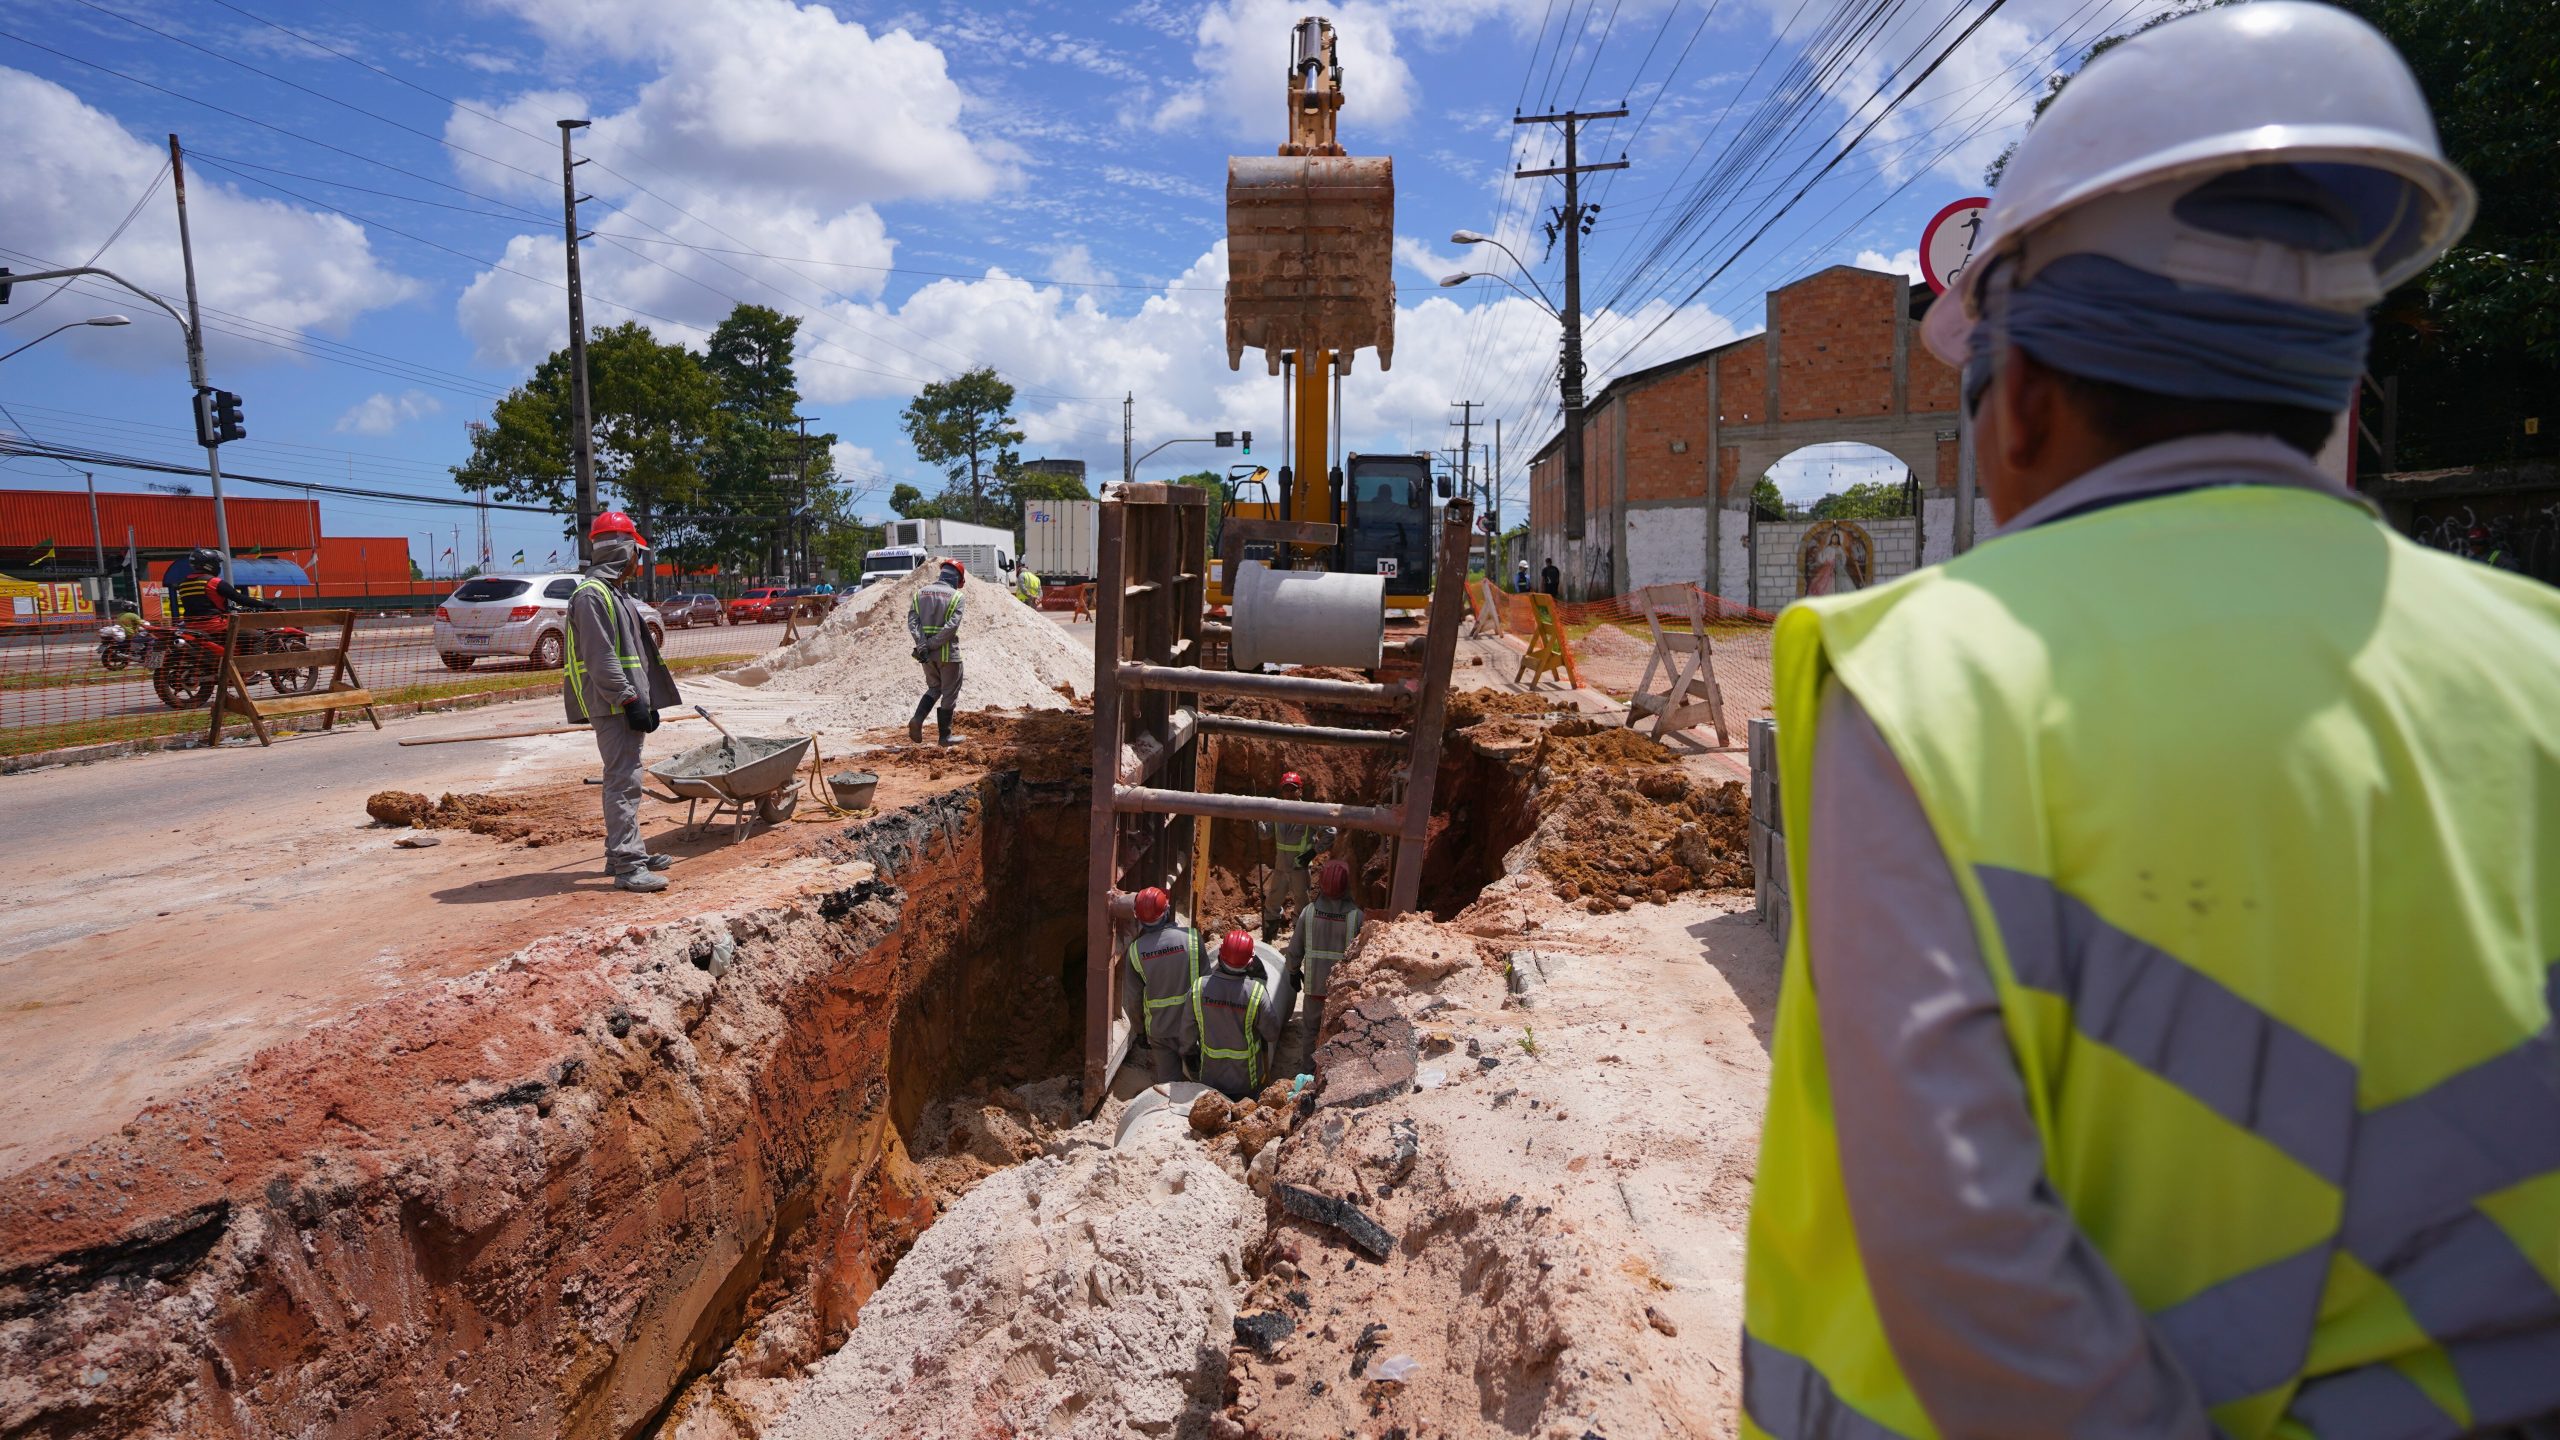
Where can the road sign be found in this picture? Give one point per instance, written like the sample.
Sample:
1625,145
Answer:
1946,247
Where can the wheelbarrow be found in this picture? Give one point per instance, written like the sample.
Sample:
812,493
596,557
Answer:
745,777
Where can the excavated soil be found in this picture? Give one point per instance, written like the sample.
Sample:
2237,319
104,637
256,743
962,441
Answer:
1621,821
539,1198
544,816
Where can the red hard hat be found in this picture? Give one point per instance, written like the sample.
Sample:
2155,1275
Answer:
615,522
1236,951
1334,879
1152,902
959,572
1292,780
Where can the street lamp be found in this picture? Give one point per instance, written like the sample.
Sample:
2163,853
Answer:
73,325
1463,276
1470,237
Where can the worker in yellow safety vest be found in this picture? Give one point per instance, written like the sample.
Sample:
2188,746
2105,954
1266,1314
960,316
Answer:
1295,849
2165,1046
1237,1011
1323,935
1164,962
1026,583
613,681
933,623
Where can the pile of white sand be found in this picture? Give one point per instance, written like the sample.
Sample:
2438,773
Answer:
859,668
1086,1294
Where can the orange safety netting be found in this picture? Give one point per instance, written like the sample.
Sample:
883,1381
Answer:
1608,642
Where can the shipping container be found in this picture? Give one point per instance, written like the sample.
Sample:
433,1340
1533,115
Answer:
1058,540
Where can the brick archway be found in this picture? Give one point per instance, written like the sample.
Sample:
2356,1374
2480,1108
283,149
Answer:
1658,443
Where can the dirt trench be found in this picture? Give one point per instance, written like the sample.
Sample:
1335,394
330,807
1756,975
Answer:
542,1198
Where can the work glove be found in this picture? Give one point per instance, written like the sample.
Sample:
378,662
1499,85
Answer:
923,655
639,717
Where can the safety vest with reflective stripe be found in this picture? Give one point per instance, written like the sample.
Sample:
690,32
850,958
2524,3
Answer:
1329,927
1294,840
573,671
2256,807
1229,1003
1154,949
945,617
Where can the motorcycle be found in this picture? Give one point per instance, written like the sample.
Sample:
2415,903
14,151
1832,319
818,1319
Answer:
118,649
186,677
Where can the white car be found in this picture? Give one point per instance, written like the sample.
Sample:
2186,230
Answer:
519,616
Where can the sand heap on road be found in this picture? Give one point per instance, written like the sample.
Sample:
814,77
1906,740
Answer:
860,665
1086,1294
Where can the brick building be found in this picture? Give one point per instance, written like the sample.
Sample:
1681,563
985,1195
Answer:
1850,367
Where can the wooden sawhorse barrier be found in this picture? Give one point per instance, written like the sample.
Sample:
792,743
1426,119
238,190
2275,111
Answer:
1690,695
339,690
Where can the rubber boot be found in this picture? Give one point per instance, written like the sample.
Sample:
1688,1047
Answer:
942,723
915,722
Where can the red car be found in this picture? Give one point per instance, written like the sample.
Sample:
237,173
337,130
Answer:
758,606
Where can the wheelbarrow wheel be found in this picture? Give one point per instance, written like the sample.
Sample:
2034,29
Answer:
774,809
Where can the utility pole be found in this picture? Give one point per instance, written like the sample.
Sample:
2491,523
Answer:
97,537
195,354
1466,424
1128,436
1571,221
582,438
1493,482
807,572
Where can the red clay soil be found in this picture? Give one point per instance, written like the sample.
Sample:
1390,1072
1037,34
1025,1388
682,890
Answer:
534,1199
546,815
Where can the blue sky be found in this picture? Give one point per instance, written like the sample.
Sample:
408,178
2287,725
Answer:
1035,186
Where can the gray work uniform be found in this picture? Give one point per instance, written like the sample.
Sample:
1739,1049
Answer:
2003,1315
1322,937
1295,849
933,622
1235,1021
1164,959
609,662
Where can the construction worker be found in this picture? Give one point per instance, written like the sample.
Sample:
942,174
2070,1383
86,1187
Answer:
1164,960
1322,936
1235,1017
1520,578
1026,583
1551,579
612,679
933,622
2166,1046
1294,851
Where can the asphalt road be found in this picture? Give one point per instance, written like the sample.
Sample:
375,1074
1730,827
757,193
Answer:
390,653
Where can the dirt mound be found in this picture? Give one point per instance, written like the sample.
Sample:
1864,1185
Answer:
1619,822
537,817
1043,745
1090,1293
860,672
1471,707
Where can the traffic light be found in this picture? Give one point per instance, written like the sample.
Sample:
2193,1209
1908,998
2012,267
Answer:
1248,442
204,419
218,418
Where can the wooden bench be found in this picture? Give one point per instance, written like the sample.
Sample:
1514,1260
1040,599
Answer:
340,690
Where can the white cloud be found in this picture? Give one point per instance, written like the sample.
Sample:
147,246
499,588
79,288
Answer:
1071,356
73,172
381,412
1241,49
1904,262
1418,256
1809,474
760,97
1075,264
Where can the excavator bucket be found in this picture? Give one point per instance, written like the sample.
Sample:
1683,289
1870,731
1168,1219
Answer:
1310,256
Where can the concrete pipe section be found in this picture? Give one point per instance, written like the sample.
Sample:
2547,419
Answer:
1308,617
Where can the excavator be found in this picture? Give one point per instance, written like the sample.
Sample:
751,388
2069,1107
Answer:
1310,282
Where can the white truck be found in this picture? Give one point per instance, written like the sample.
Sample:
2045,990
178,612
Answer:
985,549
1058,539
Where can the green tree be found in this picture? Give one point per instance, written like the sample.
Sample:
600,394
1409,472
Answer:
1769,503
760,469
964,425
651,403
1866,500
908,501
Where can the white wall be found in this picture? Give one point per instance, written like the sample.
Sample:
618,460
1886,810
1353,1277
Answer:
1896,553
1733,556
1666,545
1938,515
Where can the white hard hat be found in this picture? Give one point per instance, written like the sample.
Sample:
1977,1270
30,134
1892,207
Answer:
2277,82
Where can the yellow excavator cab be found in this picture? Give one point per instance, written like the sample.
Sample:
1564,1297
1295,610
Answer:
1311,230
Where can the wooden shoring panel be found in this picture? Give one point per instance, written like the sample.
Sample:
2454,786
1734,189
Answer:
1148,591
1440,652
